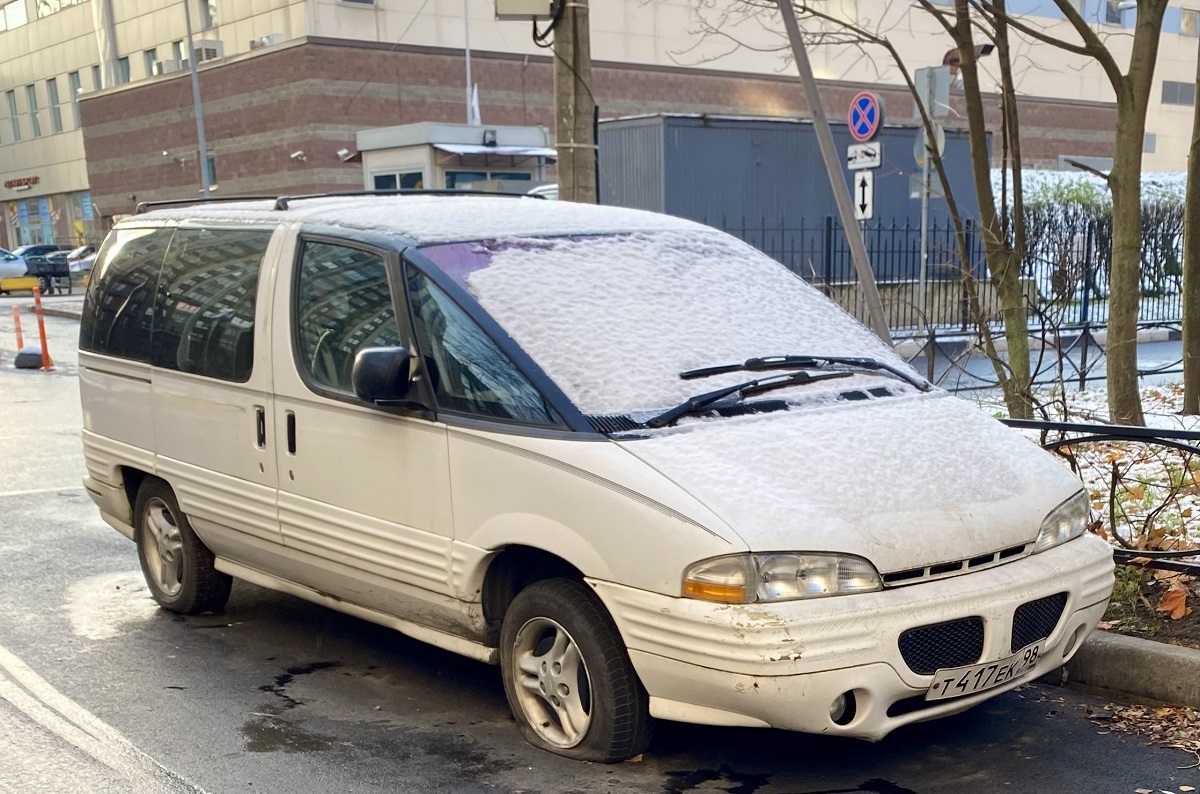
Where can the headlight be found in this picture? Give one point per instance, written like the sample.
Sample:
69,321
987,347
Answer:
1066,522
749,578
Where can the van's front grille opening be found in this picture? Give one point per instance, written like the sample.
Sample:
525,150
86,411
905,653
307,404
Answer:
1036,620
944,569
927,649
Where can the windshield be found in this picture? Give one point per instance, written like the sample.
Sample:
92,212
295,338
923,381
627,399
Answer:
614,319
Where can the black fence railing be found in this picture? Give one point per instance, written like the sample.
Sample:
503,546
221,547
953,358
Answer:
1143,479
1064,275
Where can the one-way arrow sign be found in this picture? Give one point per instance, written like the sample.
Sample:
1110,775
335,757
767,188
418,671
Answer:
864,195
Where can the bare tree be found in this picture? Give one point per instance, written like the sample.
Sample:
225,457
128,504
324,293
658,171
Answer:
1132,88
1191,268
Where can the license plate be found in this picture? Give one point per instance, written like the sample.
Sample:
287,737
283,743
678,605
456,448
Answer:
953,682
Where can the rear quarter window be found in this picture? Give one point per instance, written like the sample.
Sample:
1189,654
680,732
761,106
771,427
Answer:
119,308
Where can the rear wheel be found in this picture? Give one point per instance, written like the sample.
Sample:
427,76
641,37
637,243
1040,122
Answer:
178,567
568,677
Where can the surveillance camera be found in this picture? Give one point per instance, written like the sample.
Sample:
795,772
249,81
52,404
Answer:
166,153
298,155
344,154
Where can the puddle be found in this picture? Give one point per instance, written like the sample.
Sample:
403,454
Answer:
109,605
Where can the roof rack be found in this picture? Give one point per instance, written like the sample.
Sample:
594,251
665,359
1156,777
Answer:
282,202
144,206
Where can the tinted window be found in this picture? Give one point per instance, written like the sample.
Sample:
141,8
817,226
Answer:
119,307
468,372
204,310
343,304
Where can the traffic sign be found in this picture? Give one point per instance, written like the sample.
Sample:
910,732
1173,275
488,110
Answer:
864,155
920,145
933,91
864,195
866,116
914,188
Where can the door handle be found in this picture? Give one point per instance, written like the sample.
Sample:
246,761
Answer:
291,432
260,424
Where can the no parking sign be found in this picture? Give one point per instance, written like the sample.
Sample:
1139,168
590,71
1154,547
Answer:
866,116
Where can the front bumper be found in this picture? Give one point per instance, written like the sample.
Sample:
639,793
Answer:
782,665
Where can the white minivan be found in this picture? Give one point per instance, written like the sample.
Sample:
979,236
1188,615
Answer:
644,468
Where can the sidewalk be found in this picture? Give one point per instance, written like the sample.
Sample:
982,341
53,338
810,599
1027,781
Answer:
70,306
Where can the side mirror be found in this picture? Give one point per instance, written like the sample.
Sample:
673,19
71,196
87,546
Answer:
380,374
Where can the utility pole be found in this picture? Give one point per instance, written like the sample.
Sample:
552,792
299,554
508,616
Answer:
206,188
574,105
833,167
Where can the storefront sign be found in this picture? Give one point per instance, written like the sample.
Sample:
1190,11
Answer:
24,181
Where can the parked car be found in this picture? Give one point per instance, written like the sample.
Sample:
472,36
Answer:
80,252
82,265
642,467
11,265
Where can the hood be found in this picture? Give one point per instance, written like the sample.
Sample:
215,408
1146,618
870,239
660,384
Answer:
905,482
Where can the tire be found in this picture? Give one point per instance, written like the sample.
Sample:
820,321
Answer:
178,567
552,626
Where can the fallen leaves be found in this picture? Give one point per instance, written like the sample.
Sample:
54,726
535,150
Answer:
1174,602
1177,727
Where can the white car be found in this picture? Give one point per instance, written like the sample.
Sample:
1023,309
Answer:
639,465
11,265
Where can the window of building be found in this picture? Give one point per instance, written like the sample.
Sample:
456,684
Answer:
97,82
204,305
15,119
343,304
1149,143
35,123
47,7
118,312
53,102
468,372
149,58
76,89
1113,15
12,15
123,75
1174,93
177,50
411,180
208,14
210,163
1189,21
462,179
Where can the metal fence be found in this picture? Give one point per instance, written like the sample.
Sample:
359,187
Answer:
1064,275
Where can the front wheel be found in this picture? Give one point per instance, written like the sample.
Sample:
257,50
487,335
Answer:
178,567
568,677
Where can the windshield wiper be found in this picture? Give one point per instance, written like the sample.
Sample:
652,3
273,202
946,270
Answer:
742,390
765,363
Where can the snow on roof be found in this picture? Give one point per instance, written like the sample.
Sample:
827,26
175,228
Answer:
435,219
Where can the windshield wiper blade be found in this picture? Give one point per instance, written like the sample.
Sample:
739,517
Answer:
765,363
742,390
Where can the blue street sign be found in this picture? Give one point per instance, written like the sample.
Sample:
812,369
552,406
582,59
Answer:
866,116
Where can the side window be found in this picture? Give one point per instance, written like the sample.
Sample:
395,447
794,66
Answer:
468,372
119,308
204,309
342,305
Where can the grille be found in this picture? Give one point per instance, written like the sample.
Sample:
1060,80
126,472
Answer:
945,569
927,649
1036,620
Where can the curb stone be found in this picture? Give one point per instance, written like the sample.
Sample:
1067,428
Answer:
1131,665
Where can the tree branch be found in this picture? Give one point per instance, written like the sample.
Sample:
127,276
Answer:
1090,170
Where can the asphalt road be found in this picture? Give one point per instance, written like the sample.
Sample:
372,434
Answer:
102,692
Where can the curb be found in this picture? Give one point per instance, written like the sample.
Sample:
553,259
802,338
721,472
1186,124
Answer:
50,311
1145,668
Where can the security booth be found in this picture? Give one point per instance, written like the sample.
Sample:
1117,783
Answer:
454,157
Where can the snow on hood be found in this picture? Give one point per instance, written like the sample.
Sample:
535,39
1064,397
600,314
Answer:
614,319
904,482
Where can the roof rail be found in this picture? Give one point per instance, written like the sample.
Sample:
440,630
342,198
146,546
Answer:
282,202
145,206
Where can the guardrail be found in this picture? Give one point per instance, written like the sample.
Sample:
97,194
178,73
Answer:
1152,509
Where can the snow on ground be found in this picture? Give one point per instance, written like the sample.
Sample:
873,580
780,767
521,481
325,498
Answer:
1150,492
